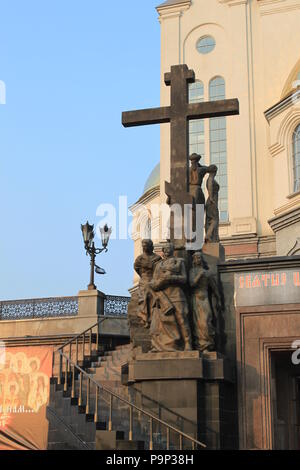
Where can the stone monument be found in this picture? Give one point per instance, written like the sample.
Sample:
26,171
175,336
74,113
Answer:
173,315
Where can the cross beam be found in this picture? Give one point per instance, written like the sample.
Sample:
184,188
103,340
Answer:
208,109
178,114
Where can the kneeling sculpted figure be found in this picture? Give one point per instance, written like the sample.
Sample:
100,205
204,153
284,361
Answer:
170,329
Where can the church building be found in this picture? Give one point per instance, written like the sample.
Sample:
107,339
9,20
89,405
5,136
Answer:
67,365
236,50
245,49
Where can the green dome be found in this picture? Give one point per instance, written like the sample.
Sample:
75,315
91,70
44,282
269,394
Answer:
153,179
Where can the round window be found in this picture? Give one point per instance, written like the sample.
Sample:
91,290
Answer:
206,45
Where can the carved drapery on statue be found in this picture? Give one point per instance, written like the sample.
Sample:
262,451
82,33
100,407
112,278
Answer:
197,173
170,329
212,207
144,266
204,295
176,310
140,305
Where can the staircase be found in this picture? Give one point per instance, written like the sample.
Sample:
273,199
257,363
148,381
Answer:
90,408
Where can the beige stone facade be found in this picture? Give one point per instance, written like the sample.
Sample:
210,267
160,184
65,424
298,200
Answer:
257,55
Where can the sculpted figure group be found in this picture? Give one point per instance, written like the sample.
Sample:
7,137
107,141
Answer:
176,304
197,174
179,304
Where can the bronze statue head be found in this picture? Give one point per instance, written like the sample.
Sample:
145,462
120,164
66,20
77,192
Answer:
168,250
195,158
147,246
213,169
197,259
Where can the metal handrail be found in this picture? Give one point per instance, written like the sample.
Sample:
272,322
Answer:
131,406
74,365
75,340
81,334
160,406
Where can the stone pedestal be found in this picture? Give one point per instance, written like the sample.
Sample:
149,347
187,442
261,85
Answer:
90,303
213,253
191,391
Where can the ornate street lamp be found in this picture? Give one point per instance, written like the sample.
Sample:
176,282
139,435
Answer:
89,245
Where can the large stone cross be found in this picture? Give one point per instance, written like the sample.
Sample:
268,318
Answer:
178,114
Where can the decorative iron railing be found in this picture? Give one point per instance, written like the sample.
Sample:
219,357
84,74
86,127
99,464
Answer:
57,307
116,305
39,308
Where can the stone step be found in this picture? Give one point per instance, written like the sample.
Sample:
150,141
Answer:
130,445
106,370
105,367
86,430
60,446
117,361
124,347
104,374
114,440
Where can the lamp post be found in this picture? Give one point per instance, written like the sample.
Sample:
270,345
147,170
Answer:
89,245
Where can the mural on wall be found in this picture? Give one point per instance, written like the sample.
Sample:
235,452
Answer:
24,393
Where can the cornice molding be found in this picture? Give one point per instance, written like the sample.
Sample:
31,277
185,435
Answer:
233,3
260,264
296,249
276,109
171,11
145,198
271,7
285,220
294,203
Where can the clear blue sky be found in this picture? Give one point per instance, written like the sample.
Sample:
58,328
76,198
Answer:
70,68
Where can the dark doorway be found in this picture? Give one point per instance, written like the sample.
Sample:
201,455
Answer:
285,392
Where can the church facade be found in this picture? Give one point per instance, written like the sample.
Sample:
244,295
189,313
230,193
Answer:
236,50
245,49
247,393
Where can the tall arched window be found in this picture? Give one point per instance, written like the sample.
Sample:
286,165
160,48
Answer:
296,158
196,126
147,229
218,145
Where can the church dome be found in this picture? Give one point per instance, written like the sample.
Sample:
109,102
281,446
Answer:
153,179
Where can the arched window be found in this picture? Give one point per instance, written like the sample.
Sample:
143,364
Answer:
147,229
218,145
296,158
196,126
